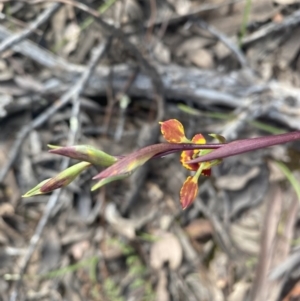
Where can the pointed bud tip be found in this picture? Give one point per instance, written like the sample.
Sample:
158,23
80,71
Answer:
36,190
51,146
188,192
220,138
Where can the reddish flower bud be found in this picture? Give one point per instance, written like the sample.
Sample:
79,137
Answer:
85,153
188,192
65,177
36,190
105,181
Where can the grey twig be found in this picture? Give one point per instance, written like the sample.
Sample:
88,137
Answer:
73,94
226,41
251,109
221,235
38,121
42,18
285,267
153,130
195,11
17,22
145,65
118,33
39,54
290,21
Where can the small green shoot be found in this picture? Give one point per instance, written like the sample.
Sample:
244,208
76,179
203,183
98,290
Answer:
290,177
228,116
89,262
246,15
112,291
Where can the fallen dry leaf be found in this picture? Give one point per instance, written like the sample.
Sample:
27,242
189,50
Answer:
191,44
199,229
71,35
202,58
79,249
162,52
236,182
166,249
182,7
162,289
239,291
122,225
222,51
6,209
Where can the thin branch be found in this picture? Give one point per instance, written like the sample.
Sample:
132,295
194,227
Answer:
288,22
40,54
116,32
226,41
18,22
42,18
195,12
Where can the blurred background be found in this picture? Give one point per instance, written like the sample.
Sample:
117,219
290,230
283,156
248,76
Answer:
104,73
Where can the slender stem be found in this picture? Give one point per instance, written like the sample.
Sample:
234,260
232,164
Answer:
246,145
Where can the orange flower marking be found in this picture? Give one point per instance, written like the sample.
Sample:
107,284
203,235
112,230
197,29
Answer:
188,191
192,154
186,156
173,131
199,139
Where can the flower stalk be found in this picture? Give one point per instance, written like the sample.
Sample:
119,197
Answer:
197,156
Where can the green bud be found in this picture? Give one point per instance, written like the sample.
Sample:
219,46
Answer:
84,153
105,181
65,177
36,190
220,138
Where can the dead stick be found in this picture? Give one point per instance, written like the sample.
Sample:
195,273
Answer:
226,41
42,18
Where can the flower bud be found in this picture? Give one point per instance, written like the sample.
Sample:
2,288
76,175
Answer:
84,153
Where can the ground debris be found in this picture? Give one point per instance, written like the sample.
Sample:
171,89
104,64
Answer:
103,73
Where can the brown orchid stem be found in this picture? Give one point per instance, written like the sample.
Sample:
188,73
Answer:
246,145
141,156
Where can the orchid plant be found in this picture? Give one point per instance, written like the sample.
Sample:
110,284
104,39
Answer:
197,155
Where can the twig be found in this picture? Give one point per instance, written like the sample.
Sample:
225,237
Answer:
226,41
18,22
144,64
196,11
180,83
73,93
153,132
220,234
251,109
267,250
39,54
285,267
153,13
42,18
290,21
38,121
